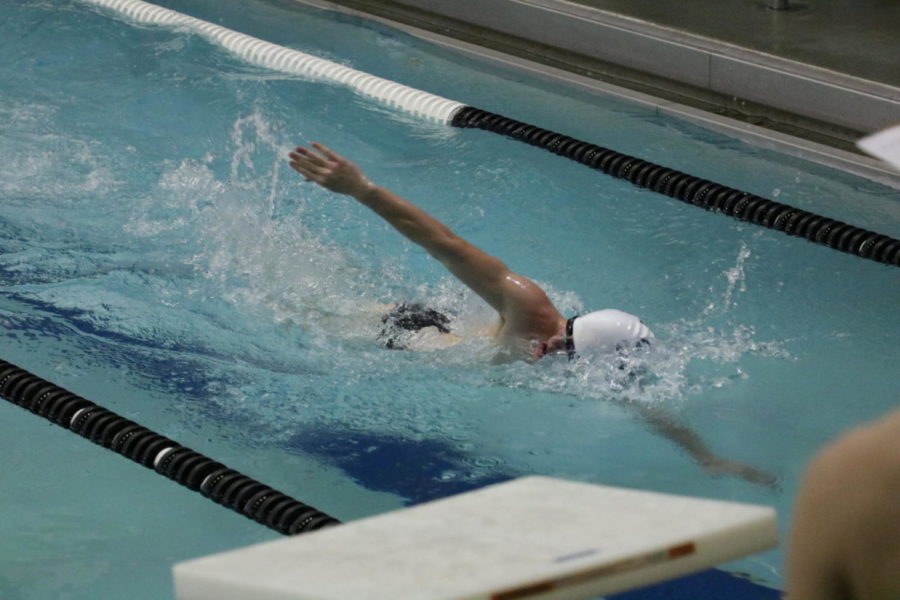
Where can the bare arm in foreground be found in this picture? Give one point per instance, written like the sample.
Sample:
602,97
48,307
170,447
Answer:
845,539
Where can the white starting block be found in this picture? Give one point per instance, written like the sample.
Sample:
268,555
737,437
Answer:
530,538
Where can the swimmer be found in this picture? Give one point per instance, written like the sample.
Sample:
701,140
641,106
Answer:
529,327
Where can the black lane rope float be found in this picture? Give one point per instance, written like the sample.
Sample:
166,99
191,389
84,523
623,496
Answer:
191,469
693,190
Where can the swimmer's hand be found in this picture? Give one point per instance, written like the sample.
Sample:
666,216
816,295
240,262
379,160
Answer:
331,171
720,466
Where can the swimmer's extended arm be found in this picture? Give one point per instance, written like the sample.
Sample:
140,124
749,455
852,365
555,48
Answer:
487,276
690,442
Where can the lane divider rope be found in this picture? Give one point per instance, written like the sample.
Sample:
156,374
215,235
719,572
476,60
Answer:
694,190
191,469
675,184
279,58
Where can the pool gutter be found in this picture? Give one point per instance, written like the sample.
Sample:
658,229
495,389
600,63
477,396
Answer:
762,99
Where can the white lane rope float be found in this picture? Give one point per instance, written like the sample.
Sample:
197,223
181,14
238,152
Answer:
279,58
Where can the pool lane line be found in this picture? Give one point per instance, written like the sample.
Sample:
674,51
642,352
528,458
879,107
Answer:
191,469
693,190
675,184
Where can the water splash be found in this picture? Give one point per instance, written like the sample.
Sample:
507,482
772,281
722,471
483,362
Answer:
40,165
690,356
706,352
735,278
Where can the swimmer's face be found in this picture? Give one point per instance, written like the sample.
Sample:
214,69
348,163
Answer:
554,345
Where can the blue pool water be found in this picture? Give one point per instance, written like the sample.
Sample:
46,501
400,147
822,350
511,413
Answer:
160,259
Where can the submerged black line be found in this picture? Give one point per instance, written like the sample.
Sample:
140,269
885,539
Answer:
693,190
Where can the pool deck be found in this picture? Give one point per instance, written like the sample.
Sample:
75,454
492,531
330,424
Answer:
809,80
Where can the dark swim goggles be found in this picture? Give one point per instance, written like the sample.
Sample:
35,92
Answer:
570,337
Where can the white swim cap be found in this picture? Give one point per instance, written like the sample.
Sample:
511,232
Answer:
603,330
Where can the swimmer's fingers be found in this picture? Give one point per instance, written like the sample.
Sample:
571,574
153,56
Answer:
327,152
329,170
719,466
305,155
310,173
325,157
307,175
311,166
